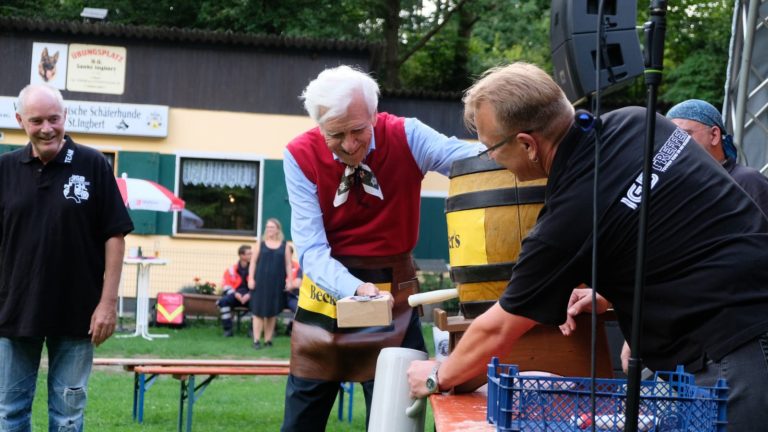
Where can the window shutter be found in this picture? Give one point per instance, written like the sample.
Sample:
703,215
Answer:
4,148
433,230
275,201
166,178
143,165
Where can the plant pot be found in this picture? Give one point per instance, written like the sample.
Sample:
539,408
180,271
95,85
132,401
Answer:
200,304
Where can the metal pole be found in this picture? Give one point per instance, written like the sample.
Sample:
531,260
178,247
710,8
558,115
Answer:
655,31
744,72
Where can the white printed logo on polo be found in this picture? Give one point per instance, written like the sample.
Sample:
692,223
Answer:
662,161
634,193
68,157
77,189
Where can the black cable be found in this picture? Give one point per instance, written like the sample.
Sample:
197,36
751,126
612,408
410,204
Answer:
599,49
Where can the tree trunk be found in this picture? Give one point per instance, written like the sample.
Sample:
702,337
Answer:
461,79
391,44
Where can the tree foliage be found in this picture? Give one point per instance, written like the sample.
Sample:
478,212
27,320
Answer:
429,44
697,50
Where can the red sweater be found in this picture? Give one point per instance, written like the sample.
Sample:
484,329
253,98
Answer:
366,225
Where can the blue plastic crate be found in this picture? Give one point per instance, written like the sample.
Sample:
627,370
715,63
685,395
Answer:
672,402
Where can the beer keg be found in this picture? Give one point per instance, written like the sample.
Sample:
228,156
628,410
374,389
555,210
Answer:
488,212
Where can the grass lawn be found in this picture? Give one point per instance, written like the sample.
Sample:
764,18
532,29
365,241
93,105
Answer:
236,403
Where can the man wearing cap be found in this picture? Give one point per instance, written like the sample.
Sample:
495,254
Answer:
704,124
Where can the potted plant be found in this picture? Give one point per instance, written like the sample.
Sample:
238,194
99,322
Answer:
200,298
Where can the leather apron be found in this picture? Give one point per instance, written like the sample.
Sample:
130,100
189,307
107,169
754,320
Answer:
320,350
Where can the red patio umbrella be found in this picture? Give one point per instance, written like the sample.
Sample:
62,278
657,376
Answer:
140,194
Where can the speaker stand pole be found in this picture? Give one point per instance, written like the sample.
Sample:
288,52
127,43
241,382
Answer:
654,54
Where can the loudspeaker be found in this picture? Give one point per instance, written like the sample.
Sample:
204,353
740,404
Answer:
573,41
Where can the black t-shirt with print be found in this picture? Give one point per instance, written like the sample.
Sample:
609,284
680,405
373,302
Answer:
54,222
706,282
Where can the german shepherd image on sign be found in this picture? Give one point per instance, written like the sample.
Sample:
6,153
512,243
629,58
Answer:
47,66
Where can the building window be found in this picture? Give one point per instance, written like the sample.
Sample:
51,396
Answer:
221,196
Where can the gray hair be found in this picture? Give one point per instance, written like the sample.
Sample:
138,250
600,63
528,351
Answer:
523,96
329,95
25,92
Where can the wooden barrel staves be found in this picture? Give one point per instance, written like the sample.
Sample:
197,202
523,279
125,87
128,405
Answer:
488,213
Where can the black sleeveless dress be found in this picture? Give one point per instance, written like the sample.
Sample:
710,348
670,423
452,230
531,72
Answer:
268,298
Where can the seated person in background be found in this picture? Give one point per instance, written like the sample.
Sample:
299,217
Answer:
235,286
704,124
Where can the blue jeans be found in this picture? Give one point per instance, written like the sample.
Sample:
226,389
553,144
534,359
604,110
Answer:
746,372
69,366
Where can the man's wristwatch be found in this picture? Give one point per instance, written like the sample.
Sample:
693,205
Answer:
432,384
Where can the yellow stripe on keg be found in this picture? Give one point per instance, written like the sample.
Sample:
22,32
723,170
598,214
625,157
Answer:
466,237
498,179
481,291
315,299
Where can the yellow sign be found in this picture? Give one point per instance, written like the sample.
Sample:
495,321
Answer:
96,69
466,237
169,316
315,299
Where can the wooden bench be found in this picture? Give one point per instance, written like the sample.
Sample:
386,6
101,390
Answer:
239,312
130,365
189,390
147,370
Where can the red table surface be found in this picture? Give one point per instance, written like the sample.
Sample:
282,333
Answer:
460,412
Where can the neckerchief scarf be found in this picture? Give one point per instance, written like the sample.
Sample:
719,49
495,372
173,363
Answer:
367,178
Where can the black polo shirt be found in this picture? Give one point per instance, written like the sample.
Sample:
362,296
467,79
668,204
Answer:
750,179
54,222
707,249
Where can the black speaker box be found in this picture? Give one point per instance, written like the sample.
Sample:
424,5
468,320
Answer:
574,65
573,41
571,17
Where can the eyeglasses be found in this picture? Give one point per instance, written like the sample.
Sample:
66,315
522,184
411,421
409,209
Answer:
486,154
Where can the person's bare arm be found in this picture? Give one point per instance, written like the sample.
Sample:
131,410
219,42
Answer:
491,334
252,266
288,257
104,316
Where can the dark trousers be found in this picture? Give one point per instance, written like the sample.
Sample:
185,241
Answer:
308,402
746,372
225,304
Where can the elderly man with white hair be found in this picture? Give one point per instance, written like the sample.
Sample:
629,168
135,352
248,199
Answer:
354,185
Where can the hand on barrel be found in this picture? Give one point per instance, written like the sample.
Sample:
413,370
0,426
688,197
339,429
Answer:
417,377
369,289
580,302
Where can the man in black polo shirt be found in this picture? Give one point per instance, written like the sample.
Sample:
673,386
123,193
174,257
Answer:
706,282
62,223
